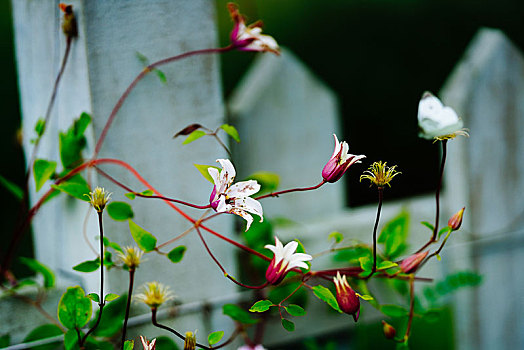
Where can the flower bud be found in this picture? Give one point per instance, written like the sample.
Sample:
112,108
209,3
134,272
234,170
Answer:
389,331
411,263
456,220
190,341
347,299
148,345
69,26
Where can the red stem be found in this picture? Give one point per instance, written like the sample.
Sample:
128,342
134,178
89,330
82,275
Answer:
276,194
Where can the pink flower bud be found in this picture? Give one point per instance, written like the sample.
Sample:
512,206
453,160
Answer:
456,220
389,331
347,299
339,162
411,263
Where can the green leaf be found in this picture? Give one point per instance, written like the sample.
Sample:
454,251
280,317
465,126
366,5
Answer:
111,297
295,310
261,306
42,171
131,196
38,267
74,308
73,141
268,181
112,318
237,314
5,340
94,297
115,246
42,332
428,225
165,343
393,310
366,264
231,131
71,340
129,345
451,284
288,325
145,240
161,76
337,236
40,127
88,266
386,265
12,187
214,337
176,254
147,193
76,187
195,135
203,170
432,315
353,254
325,295
394,235
120,211
444,230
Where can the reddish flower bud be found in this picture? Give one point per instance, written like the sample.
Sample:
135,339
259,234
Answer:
347,299
411,263
456,220
389,331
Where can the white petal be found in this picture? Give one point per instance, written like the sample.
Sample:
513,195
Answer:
337,146
214,173
228,173
289,249
243,189
300,264
249,204
300,257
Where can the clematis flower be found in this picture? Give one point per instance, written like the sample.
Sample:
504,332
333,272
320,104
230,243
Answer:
437,121
347,299
250,38
190,341
411,263
284,260
99,198
380,174
148,345
154,295
227,197
339,162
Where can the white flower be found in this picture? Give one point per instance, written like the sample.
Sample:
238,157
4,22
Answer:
234,198
284,260
436,120
250,38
